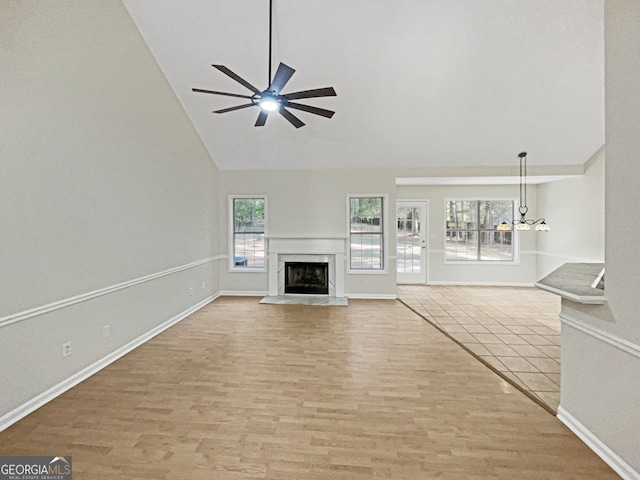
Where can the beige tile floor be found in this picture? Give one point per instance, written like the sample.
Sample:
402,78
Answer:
514,330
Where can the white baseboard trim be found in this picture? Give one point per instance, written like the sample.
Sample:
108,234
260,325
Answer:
621,467
568,258
482,284
50,307
371,296
26,408
602,335
242,293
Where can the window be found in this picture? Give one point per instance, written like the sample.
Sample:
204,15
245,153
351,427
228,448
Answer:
471,234
247,226
366,233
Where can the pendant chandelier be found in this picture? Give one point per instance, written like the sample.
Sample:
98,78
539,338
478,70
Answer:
523,223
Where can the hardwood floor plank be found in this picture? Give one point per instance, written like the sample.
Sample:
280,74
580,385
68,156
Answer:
240,390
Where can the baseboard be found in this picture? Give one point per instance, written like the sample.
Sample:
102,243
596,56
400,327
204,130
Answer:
242,293
45,397
621,467
568,258
482,284
371,296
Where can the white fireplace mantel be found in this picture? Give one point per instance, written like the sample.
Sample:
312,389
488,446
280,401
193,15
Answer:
278,247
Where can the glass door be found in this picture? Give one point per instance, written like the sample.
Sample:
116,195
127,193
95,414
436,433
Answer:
411,242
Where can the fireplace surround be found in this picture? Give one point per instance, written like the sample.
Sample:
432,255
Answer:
306,249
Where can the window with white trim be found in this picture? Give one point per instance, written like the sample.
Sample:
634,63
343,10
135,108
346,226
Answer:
470,231
247,216
366,233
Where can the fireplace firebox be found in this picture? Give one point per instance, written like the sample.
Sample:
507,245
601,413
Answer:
309,278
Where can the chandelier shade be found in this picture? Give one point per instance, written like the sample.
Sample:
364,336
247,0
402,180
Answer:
504,227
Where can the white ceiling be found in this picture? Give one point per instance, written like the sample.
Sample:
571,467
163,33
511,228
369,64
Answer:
420,83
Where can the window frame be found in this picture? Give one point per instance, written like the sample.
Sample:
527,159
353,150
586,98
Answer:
384,267
232,267
515,238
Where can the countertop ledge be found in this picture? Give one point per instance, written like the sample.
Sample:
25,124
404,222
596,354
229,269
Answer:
573,281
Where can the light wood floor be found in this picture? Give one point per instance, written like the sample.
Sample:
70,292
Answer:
247,391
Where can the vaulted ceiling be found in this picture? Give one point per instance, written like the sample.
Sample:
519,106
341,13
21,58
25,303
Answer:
420,83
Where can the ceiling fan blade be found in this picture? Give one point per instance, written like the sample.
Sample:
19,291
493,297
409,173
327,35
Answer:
262,118
316,92
310,109
237,78
282,76
200,90
231,109
295,121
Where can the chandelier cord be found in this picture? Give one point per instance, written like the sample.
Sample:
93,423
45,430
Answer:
523,196
523,186
523,223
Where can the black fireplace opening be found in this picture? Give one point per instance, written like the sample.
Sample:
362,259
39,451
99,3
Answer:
306,277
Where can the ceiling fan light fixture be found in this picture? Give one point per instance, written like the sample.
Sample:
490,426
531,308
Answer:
269,103
271,100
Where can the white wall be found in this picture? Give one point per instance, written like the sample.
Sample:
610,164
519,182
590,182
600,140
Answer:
310,202
574,210
600,391
439,272
108,199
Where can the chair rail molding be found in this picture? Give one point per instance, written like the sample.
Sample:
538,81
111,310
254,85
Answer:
602,335
66,302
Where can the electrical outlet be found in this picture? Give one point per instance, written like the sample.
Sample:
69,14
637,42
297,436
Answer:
66,349
204,285
190,290
106,331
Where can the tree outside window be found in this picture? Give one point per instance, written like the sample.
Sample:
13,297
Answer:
248,233
471,231
366,233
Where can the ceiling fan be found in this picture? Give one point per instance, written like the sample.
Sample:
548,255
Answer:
271,99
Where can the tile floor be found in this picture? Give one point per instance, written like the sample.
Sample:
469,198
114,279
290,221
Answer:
515,330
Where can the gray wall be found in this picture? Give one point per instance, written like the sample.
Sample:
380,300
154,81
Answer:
108,200
623,167
307,202
439,272
601,345
111,213
574,209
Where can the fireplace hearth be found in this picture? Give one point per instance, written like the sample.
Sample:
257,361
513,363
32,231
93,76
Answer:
309,278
